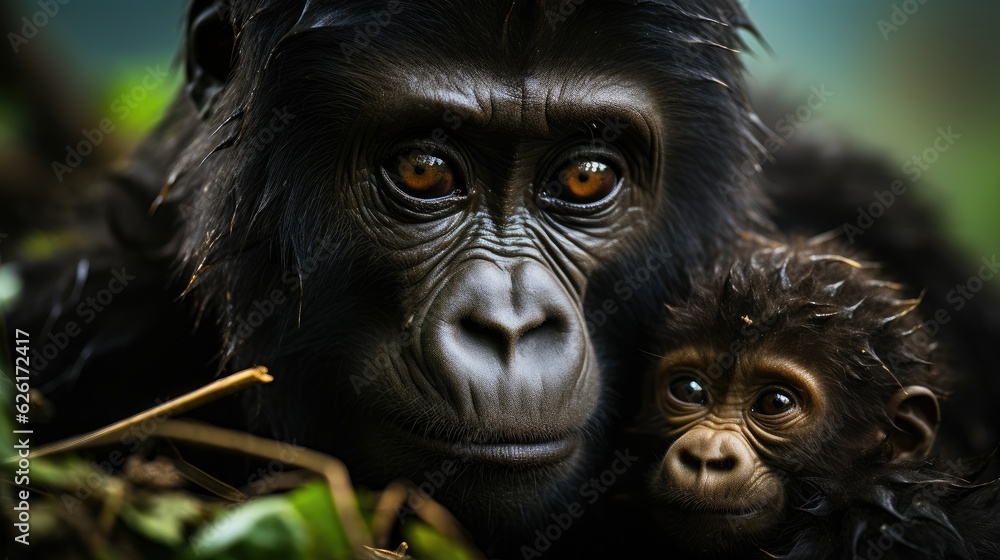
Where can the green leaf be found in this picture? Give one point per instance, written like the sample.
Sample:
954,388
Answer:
264,528
68,472
315,504
428,544
163,518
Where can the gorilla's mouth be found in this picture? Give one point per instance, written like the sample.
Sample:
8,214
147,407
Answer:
515,454
744,512
537,452
736,519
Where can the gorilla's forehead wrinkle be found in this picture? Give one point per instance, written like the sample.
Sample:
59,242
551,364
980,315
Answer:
538,106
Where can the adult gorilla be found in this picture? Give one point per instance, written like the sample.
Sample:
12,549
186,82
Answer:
433,223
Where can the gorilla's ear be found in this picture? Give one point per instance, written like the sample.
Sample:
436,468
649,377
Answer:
211,41
915,415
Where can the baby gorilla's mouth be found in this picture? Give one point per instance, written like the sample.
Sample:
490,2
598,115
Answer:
727,512
733,521
688,507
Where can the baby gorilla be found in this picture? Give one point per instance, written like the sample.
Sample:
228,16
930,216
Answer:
798,400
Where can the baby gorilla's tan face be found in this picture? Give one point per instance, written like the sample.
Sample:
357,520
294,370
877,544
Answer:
714,482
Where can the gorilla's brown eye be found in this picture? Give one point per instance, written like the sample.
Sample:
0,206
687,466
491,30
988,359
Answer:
586,181
774,402
688,391
423,176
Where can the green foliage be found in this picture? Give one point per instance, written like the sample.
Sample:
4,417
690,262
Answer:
134,107
163,518
313,501
262,529
428,543
302,524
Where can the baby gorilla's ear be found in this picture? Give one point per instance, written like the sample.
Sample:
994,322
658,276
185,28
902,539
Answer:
210,51
915,415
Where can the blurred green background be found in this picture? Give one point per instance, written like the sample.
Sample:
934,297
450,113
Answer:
893,88
895,85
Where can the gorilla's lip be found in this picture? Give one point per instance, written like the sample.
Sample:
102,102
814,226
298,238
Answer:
515,454
534,453
743,519
702,510
727,512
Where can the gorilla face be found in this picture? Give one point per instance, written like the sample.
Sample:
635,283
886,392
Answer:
492,226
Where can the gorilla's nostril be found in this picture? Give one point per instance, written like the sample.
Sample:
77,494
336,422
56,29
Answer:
503,333
488,335
690,460
551,323
726,464
695,462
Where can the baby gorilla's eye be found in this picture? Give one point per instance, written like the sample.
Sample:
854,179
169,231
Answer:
774,402
688,390
422,175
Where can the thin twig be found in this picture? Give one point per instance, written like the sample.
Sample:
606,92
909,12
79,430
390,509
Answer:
427,509
386,509
208,393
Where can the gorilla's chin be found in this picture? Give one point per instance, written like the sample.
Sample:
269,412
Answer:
477,479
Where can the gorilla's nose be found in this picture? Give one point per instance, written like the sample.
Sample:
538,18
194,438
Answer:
503,322
709,461
509,343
